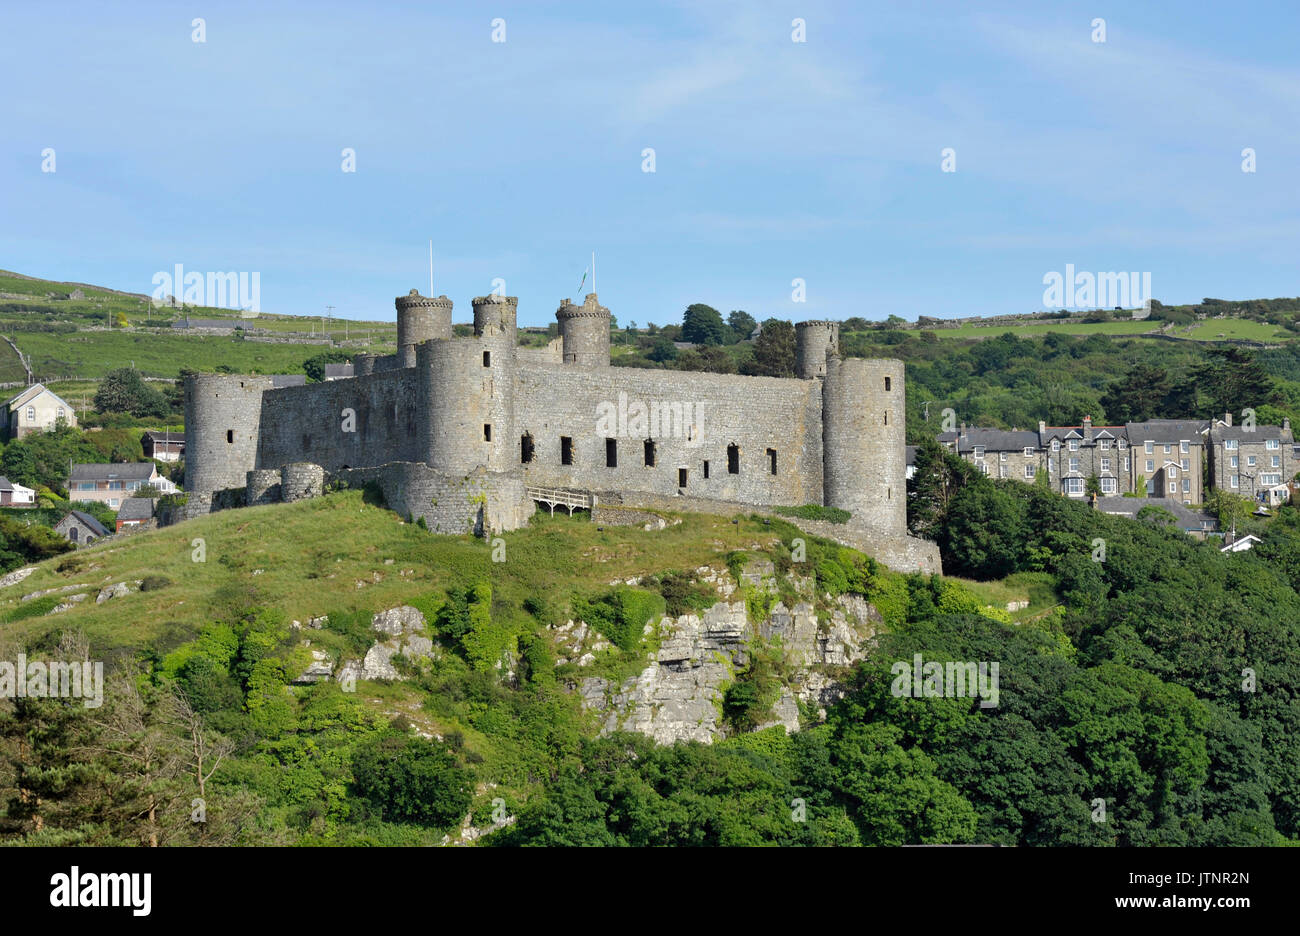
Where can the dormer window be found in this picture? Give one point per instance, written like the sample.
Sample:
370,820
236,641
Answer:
979,451
1074,445
1056,445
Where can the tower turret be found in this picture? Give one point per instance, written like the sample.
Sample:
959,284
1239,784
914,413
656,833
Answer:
420,318
812,342
585,332
495,311
223,420
864,464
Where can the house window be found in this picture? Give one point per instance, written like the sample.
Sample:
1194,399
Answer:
1029,451
1074,445
115,485
59,414
611,453
1002,456
1267,480
1105,464
1056,445
1108,486
1271,443
649,453
1121,445
1182,446
1151,465
984,467
1234,481
1074,464
1104,445
1234,461
886,384
1074,485
771,460
526,448
31,414
487,358
1029,472
1186,464
1275,461
706,469
1187,485
487,432
566,450
681,477
1150,447
1173,487
113,502
1230,445
979,451
1250,461
1168,449
733,459
1173,472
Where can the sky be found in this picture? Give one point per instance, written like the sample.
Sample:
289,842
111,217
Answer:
774,160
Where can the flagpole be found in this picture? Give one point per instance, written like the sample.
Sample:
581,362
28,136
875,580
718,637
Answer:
593,271
431,269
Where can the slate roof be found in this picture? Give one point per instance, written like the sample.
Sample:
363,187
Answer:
287,380
1187,518
994,440
4,484
339,370
136,508
95,526
1258,434
1166,431
167,437
31,393
207,323
123,471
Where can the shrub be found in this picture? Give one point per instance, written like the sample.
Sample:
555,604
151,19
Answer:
682,595
815,512
622,614
409,779
154,582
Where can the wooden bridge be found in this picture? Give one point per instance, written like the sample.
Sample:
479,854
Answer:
561,497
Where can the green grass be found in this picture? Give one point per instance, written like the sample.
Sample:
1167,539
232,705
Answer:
1066,328
1038,588
1243,329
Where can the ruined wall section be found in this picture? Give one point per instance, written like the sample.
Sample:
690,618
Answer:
307,423
478,503
753,413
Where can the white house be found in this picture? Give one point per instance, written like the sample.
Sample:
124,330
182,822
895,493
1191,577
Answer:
36,409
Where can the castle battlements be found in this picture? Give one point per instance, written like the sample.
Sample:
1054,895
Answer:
456,430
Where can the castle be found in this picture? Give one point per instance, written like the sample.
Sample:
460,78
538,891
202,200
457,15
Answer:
467,433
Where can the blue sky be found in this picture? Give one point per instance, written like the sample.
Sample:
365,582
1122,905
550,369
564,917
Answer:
774,159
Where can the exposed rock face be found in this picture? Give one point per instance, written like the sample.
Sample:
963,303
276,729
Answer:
401,631
678,696
322,667
121,589
16,576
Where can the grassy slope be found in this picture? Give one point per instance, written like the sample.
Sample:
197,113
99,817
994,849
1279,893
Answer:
313,554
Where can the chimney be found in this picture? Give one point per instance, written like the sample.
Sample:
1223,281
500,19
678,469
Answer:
1286,422
1227,418
1087,428
1042,427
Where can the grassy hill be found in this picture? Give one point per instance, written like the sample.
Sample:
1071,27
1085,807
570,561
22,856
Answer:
83,337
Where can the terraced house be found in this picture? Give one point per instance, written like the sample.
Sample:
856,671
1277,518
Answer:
1254,461
1164,458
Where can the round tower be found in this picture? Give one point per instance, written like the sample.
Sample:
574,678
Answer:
466,395
864,460
363,365
585,332
813,340
420,318
495,311
223,419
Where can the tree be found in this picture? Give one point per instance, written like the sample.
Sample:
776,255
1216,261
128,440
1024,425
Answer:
774,350
742,325
703,324
408,779
1232,379
124,391
1139,395
314,367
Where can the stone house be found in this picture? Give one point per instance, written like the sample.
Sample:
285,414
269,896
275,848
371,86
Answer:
36,409
1169,458
164,446
113,483
80,528
1253,461
1194,523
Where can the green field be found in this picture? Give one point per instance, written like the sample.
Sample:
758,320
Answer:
1038,330
1242,329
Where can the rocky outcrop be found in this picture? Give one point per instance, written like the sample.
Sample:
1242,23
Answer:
119,590
678,696
320,668
401,630
16,576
